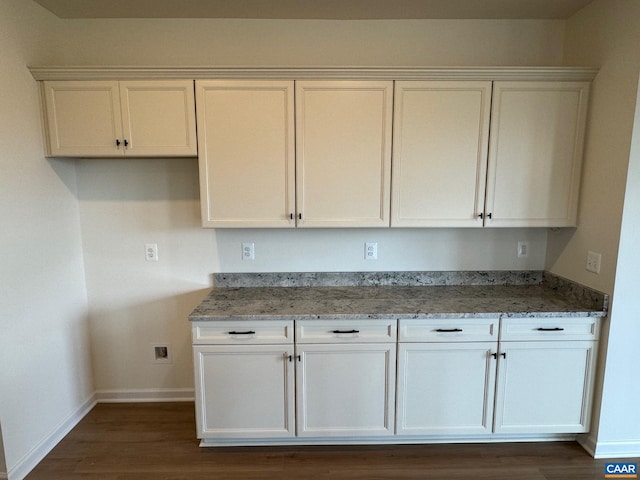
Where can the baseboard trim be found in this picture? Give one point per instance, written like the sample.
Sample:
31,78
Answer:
146,395
42,448
617,449
588,443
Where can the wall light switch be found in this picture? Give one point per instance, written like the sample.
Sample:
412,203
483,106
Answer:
523,249
593,262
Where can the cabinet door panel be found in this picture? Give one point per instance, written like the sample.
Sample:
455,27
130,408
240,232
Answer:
83,119
445,388
244,391
544,387
535,153
343,153
441,135
345,390
158,117
246,153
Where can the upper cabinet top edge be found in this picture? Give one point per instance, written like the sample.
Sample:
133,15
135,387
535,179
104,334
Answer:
314,73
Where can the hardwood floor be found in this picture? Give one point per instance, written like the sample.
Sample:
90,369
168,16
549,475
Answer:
157,442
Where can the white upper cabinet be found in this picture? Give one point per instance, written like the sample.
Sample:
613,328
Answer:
83,119
113,119
247,153
535,153
158,118
441,135
343,153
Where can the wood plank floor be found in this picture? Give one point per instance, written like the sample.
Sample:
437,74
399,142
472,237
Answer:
157,442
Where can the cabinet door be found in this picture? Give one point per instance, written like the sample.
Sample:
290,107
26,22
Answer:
158,118
83,119
345,390
244,391
343,153
445,388
535,153
441,136
246,153
544,387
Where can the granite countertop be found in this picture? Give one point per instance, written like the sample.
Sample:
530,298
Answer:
486,295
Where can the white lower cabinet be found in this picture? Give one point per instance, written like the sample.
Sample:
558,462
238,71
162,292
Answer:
345,390
545,387
445,388
341,380
244,379
244,391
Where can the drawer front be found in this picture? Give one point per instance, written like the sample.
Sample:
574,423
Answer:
559,328
346,331
449,330
262,332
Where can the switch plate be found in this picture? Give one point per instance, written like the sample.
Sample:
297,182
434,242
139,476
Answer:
523,249
248,251
151,252
593,262
371,251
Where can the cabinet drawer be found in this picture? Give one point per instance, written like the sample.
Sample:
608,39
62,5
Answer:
346,331
265,332
449,330
560,328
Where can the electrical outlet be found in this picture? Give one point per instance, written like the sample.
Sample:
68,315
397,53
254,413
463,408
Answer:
593,262
523,249
371,251
161,353
151,252
248,251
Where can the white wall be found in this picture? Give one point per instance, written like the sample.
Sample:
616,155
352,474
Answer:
125,204
45,375
312,42
606,34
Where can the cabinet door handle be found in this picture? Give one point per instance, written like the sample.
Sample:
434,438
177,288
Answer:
290,357
291,216
126,142
503,354
448,330
554,329
117,143
346,331
299,216
248,332
494,355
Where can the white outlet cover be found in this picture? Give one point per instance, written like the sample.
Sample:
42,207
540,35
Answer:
248,251
371,251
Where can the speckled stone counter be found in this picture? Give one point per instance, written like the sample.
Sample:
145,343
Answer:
399,295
